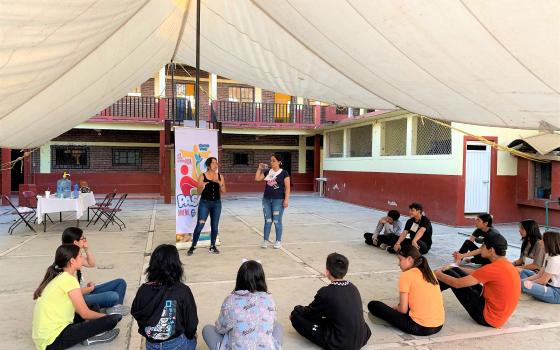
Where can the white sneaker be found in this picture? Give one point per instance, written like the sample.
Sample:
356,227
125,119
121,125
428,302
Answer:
118,309
104,337
383,246
277,245
264,245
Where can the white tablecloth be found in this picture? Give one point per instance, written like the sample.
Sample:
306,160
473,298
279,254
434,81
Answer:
56,205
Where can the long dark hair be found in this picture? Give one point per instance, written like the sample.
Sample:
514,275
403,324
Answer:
62,257
165,266
420,262
532,234
551,241
208,162
69,235
251,277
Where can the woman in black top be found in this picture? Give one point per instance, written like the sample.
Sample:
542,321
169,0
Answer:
210,186
164,307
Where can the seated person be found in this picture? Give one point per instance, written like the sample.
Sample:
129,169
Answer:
108,295
420,310
61,318
469,249
545,285
164,307
335,318
532,247
420,229
390,225
492,305
248,316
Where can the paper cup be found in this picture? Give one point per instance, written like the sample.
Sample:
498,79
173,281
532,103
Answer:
47,194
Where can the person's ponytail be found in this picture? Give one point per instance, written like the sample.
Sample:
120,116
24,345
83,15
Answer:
63,254
422,264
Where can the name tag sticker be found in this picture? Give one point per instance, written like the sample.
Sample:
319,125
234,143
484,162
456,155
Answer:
414,227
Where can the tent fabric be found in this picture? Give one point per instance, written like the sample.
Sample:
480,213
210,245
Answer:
543,144
481,62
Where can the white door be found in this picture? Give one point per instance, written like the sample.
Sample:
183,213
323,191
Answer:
477,178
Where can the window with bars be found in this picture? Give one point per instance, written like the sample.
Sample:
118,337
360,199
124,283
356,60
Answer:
393,137
430,138
241,94
70,157
542,180
360,141
241,158
127,157
335,143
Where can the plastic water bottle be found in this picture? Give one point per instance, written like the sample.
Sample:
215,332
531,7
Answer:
76,193
59,189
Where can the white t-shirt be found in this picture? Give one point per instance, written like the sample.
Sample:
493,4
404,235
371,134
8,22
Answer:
553,268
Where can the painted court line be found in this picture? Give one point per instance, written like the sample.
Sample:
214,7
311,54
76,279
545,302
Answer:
9,250
464,336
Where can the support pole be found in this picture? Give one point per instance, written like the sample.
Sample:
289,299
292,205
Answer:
197,85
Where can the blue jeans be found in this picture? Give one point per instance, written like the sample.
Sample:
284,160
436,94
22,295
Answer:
547,293
273,210
214,208
179,343
107,294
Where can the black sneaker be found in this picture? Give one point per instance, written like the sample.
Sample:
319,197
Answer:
391,250
213,250
191,250
104,337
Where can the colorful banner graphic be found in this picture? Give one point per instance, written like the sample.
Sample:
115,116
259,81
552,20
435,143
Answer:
192,148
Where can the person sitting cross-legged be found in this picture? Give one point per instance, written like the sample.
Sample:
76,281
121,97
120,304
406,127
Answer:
492,305
335,319
420,310
389,226
469,249
420,229
545,285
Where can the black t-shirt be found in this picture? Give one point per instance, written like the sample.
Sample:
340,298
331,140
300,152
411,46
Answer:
338,306
211,191
274,187
165,312
479,234
413,226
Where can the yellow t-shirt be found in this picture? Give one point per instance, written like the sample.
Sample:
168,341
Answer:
425,301
54,310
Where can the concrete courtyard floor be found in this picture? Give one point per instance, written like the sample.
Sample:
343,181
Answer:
313,228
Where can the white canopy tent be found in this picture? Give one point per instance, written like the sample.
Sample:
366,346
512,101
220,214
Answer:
474,61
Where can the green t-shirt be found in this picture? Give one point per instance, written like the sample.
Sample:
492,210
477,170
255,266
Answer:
54,310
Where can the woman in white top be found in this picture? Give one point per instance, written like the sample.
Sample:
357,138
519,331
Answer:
545,285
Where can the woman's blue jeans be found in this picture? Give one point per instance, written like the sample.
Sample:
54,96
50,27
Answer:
544,293
107,294
205,208
273,210
179,343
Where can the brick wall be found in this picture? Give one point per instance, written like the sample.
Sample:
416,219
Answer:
86,135
255,157
267,96
223,89
204,99
101,160
276,140
147,88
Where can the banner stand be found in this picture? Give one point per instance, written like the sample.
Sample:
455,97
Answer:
192,147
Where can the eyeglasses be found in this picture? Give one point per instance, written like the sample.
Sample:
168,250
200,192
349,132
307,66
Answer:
83,239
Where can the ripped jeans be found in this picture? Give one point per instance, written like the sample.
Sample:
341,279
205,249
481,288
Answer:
273,210
205,208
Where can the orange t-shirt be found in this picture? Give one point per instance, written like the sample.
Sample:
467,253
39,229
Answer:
425,302
502,287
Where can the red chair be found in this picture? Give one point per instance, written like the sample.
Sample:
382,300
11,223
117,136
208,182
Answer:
111,214
105,203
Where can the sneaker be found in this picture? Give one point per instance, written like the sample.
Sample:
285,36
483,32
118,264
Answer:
277,245
104,337
383,246
213,250
264,245
391,250
191,251
118,309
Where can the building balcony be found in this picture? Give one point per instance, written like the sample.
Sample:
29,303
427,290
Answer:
147,109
